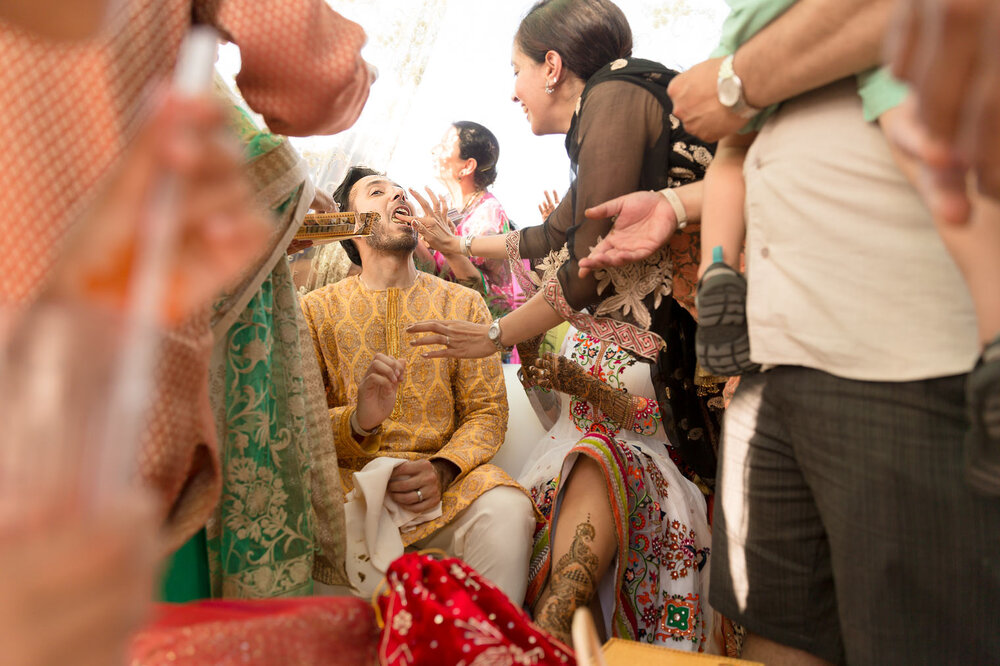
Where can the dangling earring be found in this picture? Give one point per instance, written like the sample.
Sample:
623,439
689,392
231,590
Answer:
548,88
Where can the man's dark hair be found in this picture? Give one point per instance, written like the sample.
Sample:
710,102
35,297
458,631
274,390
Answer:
479,143
587,34
342,195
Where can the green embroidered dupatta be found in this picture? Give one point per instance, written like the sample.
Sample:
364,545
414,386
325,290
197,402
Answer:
270,409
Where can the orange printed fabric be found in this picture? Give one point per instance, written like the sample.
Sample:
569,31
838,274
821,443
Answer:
71,109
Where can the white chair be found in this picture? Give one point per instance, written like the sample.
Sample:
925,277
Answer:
524,430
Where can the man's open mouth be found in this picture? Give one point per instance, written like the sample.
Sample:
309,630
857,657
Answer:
401,210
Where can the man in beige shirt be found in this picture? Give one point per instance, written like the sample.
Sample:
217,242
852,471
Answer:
846,530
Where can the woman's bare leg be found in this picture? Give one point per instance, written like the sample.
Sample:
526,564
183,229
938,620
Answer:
583,547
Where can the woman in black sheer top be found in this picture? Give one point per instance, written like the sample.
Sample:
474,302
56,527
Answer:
574,75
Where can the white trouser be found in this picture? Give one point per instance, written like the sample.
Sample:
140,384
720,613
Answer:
494,537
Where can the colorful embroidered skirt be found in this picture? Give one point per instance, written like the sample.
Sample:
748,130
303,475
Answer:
659,580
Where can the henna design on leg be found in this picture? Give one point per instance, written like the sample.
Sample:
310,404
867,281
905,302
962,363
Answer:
572,585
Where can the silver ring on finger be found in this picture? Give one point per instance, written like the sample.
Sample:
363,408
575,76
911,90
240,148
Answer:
447,341
420,495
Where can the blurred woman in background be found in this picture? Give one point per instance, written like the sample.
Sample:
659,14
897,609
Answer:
466,164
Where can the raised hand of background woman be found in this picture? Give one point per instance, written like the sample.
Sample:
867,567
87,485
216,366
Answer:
551,201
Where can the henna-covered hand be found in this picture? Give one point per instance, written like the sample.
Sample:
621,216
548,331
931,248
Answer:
558,373
528,352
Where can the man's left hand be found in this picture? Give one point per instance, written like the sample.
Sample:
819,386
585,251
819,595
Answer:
696,102
417,485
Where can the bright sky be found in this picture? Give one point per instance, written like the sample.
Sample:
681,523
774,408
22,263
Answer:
468,76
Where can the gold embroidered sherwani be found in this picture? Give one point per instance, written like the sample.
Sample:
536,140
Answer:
455,409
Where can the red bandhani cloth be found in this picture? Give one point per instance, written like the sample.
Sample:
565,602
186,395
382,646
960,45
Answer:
443,612
308,631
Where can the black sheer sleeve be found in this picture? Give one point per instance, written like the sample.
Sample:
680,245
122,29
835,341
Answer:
619,123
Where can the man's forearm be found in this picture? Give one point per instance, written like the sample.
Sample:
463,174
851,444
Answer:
814,43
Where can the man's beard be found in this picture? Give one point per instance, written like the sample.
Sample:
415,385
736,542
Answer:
382,242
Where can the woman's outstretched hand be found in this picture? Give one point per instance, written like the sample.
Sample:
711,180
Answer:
458,339
433,226
643,222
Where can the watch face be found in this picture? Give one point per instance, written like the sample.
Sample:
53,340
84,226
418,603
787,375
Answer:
494,332
729,92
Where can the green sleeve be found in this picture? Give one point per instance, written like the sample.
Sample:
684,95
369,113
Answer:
880,91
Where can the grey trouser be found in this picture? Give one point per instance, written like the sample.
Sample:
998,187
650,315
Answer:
844,525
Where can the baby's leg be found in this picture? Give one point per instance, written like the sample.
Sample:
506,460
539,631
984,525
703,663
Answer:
722,343
722,224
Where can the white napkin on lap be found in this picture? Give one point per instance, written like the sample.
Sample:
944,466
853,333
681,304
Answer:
374,520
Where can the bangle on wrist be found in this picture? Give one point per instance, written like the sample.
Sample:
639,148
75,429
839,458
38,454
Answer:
465,245
358,430
680,212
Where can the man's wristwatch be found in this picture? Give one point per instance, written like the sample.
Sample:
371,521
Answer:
494,335
730,90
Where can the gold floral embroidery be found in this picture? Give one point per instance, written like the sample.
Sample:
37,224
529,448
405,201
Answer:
632,283
392,339
549,266
698,154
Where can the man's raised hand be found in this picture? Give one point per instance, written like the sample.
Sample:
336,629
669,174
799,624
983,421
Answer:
377,391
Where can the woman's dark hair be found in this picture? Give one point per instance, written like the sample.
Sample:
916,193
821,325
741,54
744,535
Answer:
587,34
342,195
479,143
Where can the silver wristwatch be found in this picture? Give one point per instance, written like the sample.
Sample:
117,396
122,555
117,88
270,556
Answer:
493,333
730,90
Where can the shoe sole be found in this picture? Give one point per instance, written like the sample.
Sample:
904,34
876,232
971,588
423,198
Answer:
722,342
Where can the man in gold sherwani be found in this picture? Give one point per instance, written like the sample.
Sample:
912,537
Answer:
446,417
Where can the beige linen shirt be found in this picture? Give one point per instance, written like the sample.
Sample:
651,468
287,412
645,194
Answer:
847,273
